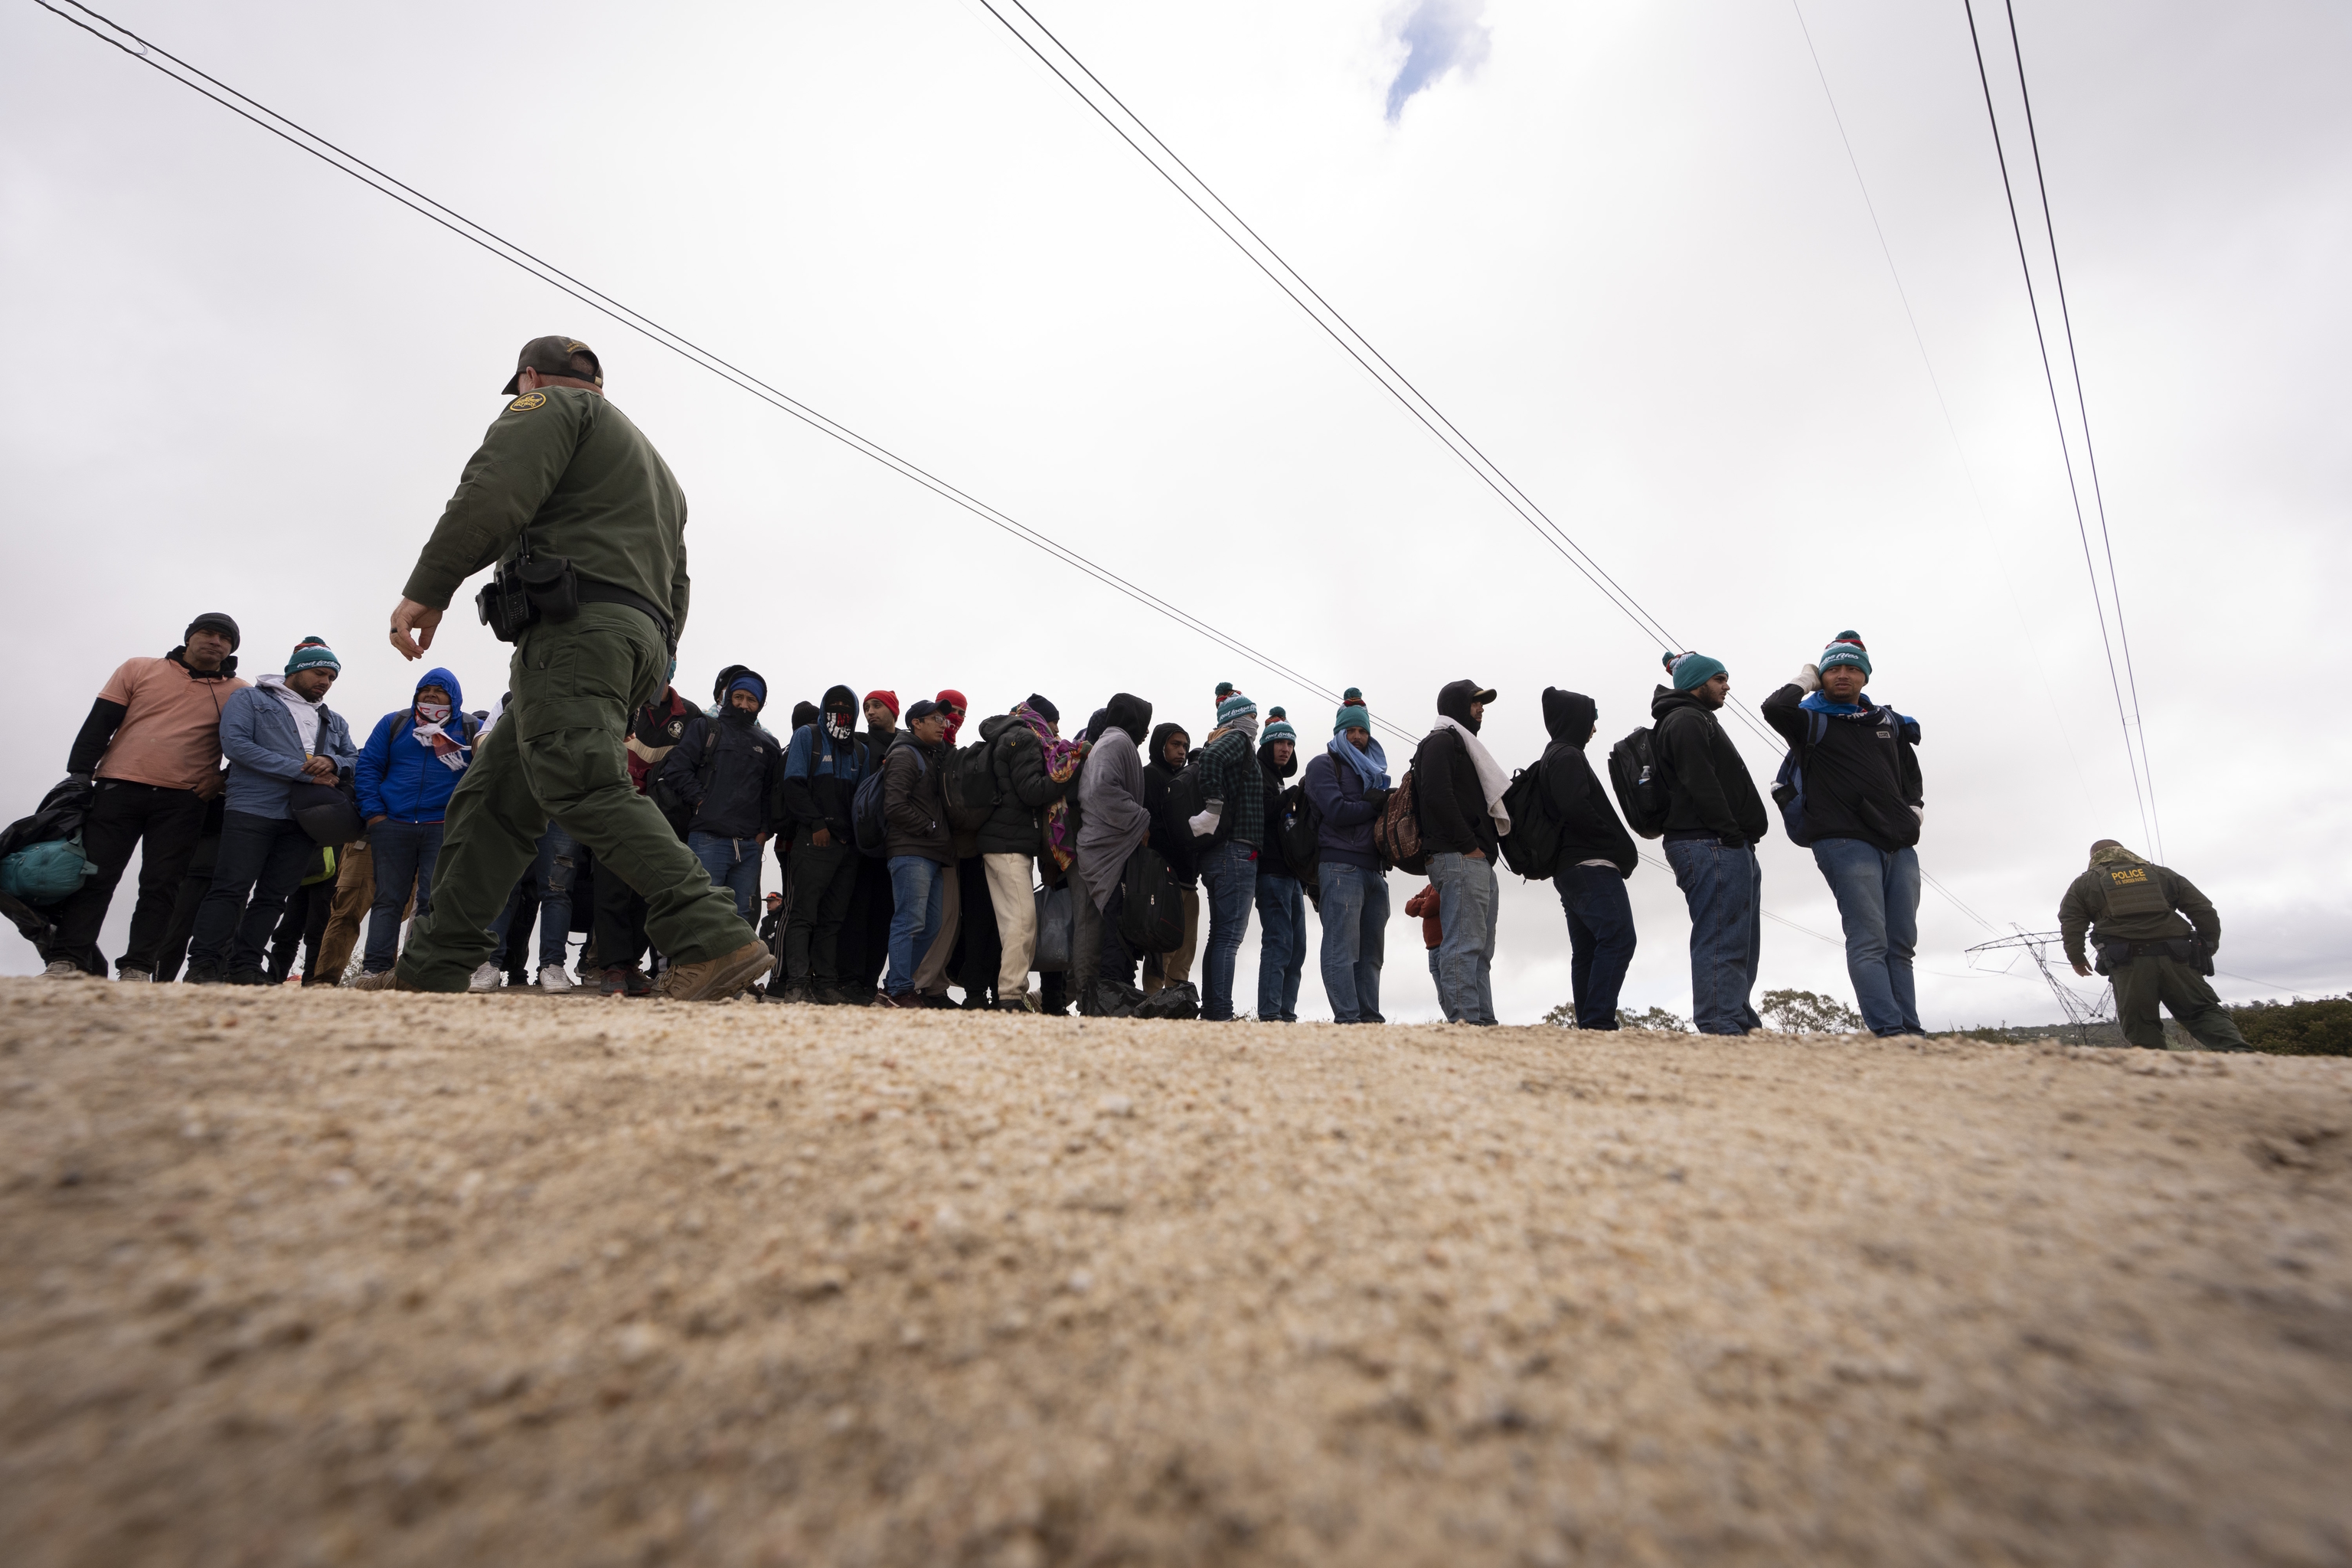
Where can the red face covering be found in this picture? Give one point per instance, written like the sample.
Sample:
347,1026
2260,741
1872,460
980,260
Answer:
952,702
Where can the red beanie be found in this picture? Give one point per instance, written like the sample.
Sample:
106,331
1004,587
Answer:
953,701
888,699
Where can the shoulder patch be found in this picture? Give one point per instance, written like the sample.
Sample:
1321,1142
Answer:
526,402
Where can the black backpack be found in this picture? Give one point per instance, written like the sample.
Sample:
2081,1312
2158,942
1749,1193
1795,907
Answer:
1531,847
1151,915
1638,776
969,785
867,822
1299,829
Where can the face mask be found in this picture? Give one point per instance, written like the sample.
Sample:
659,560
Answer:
433,712
837,726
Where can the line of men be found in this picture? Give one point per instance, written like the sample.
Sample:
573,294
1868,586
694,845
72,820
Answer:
595,761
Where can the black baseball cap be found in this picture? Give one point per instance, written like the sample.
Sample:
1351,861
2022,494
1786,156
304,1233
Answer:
552,356
924,709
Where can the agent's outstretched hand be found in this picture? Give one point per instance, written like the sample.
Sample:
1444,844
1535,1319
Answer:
408,616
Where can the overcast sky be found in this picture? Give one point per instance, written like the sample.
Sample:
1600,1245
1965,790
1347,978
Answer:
1619,244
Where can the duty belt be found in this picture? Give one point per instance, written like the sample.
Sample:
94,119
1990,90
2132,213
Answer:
594,593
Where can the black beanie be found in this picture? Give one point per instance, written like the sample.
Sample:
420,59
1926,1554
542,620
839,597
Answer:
1043,710
217,622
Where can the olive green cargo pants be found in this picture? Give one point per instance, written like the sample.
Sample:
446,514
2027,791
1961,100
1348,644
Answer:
2143,982
558,753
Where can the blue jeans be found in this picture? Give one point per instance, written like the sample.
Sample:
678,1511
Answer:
405,854
1465,959
1724,888
918,903
1878,902
1600,939
262,856
552,875
732,863
1355,938
1282,947
1228,886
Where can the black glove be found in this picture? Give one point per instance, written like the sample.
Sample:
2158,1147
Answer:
1378,799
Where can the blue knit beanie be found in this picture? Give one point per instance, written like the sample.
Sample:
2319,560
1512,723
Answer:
313,655
1233,706
1352,717
1846,647
1685,671
753,684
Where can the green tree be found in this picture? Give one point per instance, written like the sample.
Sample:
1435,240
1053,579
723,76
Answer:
1808,1013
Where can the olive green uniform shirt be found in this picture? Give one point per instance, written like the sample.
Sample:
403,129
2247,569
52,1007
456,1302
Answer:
566,464
2148,916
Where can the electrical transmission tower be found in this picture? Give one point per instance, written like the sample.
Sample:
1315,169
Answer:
2081,1014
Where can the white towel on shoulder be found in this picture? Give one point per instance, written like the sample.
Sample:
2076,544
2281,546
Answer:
1491,782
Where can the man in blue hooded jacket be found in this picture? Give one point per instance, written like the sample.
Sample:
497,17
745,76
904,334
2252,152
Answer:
276,734
407,773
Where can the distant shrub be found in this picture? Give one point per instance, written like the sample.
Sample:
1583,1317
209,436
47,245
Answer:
1654,1018
1807,1013
2320,1028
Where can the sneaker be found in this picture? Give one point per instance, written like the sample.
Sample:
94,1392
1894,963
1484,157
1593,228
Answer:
382,979
1015,1004
202,977
628,981
930,1000
62,969
716,978
485,978
904,999
137,976
817,995
248,977
552,977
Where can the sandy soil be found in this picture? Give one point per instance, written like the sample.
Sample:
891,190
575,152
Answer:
296,1278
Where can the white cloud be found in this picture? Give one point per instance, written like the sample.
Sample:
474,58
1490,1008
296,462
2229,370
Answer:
1439,36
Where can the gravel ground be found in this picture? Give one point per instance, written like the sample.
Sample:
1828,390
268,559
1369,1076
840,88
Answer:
325,1277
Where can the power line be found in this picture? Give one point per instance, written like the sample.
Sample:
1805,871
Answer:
375,179
2066,450
2082,407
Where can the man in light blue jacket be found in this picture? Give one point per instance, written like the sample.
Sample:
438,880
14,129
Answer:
276,734
407,773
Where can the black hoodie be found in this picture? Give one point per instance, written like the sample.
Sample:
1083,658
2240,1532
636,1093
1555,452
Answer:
1589,826
1709,794
1174,841
1453,815
1270,860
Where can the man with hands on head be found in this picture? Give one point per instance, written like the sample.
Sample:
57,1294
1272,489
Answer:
571,501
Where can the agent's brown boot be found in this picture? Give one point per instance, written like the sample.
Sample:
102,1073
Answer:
716,978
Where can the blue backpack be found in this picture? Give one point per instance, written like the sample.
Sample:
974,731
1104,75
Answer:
1788,783
45,874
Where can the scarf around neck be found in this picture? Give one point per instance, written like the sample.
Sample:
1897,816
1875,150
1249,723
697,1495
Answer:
450,751
1371,764
1491,782
1061,759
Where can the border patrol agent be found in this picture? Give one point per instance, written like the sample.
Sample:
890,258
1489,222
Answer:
569,500
2135,908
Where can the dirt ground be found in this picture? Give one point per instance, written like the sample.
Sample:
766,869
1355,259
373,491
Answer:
328,1278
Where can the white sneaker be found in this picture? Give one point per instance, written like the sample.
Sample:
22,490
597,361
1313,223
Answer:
553,978
63,969
486,978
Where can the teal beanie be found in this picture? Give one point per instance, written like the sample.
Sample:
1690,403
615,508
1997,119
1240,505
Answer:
313,655
1846,647
1233,706
1688,670
1352,716
1279,730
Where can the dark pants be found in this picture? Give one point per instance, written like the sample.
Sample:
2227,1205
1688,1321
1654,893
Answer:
980,946
1600,939
405,854
193,888
1117,963
119,818
2141,983
825,879
303,926
619,935
261,858
865,941
514,928
1228,886
1282,947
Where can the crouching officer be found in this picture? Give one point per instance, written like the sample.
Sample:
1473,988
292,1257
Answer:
587,529
2135,908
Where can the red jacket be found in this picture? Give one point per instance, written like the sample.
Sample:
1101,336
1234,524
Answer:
1424,904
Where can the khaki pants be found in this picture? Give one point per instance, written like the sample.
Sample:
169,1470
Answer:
354,893
931,974
1175,968
1011,888
557,755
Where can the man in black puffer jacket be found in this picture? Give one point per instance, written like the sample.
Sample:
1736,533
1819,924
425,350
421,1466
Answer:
1169,752
1596,857
1034,771
1715,819
1860,808
725,771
